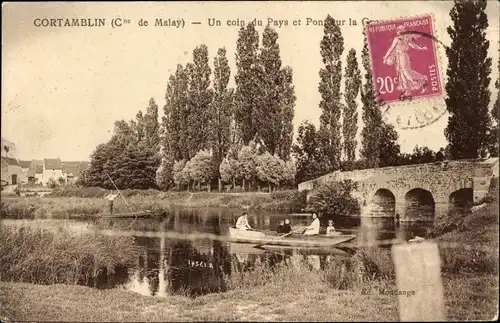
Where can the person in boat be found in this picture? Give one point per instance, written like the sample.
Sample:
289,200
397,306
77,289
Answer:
313,228
287,228
330,229
279,230
242,222
111,200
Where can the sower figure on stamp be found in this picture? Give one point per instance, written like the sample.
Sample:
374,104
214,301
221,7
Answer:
397,55
111,199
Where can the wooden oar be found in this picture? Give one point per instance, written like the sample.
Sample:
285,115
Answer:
277,238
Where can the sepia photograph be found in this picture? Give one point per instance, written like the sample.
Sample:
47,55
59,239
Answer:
253,161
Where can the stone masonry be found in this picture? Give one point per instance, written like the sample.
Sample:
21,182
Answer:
440,179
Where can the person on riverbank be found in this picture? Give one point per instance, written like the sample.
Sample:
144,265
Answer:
111,200
330,229
287,228
242,222
313,228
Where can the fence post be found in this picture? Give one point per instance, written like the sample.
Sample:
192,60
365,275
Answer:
418,272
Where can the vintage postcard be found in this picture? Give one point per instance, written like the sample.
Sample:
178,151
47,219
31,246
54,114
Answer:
250,161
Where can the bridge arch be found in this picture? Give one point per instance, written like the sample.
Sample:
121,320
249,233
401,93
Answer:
461,198
383,202
419,204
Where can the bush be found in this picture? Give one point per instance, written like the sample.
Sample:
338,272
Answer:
468,261
52,183
335,199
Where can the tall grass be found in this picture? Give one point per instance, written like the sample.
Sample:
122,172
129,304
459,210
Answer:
43,256
64,208
350,273
98,192
69,202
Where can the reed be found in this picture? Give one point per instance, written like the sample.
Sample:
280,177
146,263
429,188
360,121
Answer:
338,274
85,202
42,256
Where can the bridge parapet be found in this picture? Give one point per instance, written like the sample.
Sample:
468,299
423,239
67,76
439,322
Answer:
441,179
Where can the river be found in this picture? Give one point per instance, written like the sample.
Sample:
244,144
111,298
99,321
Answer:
172,264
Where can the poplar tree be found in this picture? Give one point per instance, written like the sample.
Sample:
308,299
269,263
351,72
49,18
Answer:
174,121
222,110
199,100
152,127
469,69
247,85
173,127
287,101
379,145
350,116
266,115
332,47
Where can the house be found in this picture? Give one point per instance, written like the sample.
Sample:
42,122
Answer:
35,173
25,167
72,170
52,169
11,171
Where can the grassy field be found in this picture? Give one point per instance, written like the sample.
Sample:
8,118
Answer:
467,298
90,201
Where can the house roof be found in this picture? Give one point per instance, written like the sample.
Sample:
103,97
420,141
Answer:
51,163
70,168
36,167
25,163
10,161
75,167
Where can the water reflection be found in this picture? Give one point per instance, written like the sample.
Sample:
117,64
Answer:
195,267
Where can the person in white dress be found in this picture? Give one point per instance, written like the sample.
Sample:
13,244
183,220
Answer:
242,222
313,228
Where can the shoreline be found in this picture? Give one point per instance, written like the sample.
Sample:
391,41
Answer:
72,207
91,203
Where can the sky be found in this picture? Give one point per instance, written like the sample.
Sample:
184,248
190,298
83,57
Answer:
64,87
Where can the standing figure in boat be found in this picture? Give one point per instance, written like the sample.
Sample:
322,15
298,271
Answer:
313,228
242,222
330,229
111,200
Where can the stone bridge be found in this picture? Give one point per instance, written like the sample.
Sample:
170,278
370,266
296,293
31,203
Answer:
416,192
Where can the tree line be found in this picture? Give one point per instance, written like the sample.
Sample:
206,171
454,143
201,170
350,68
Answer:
211,134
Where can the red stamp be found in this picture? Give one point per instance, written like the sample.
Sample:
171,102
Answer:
404,59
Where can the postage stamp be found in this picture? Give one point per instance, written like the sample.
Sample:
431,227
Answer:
405,63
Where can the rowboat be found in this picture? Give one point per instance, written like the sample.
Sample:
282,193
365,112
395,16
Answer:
138,214
294,240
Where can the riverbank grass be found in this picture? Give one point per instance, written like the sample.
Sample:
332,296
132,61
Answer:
467,298
86,202
42,256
